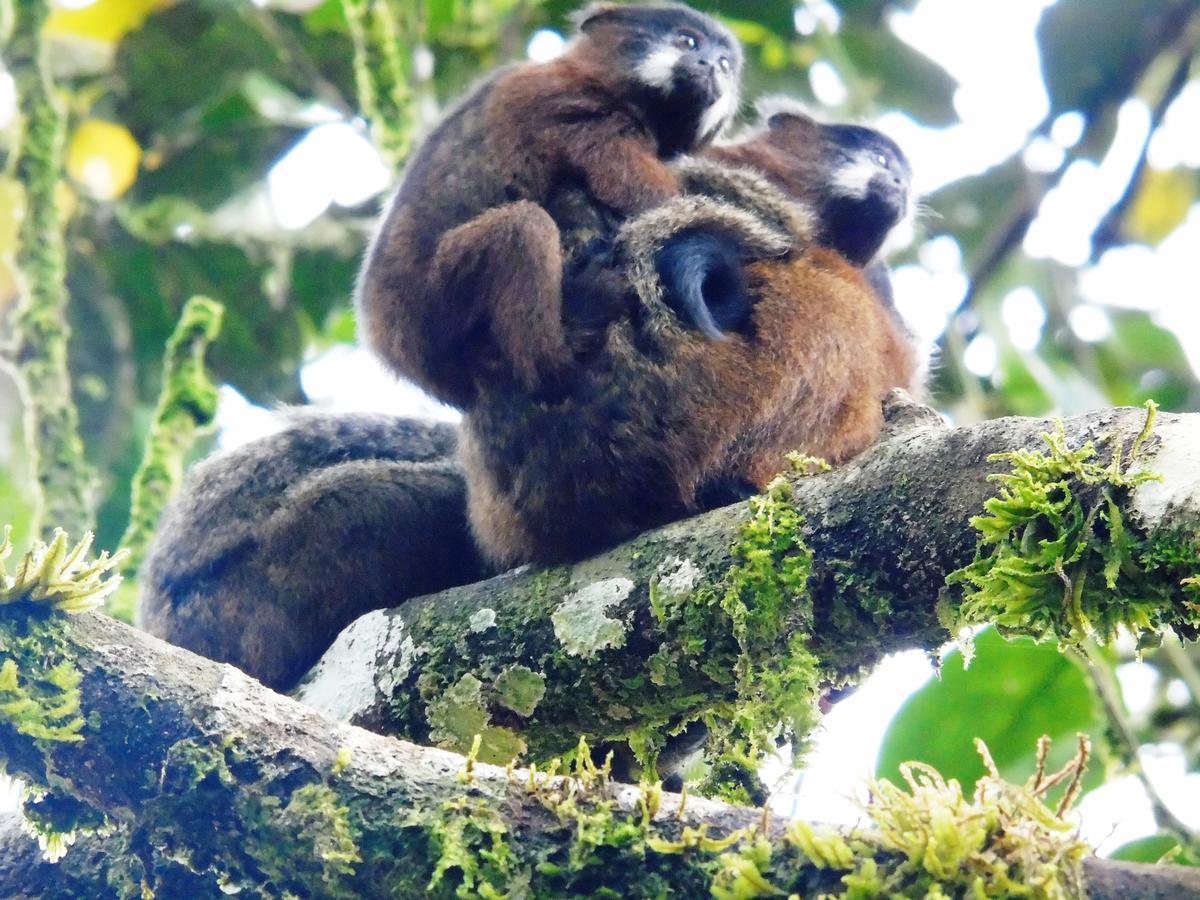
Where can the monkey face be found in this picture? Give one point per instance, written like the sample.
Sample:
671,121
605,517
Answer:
685,66
856,178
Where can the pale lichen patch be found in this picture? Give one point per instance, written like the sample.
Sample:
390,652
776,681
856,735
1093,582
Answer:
482,620
520,689
459,714
677,577
343,682
1175,456
580,623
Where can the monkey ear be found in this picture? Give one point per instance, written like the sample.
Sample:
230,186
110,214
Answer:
776,111
593,14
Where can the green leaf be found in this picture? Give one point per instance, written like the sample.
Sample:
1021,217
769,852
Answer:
1146,850
1013,693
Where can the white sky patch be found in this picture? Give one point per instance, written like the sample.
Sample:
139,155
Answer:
926,299
974,42
1090,323
1162,281
1175,143
658,68
1043,155
333,163
1067,129
827,84
1071,211
239,421
72,4
1024,316
545,45
1137,682
8,99
846,745
981,356
325,378
810,15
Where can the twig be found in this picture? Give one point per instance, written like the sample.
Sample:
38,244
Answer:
1128,746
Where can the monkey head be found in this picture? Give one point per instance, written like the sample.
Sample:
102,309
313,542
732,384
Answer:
854,181
855,178
681,66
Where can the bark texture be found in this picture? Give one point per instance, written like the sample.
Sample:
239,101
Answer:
212,784
599,657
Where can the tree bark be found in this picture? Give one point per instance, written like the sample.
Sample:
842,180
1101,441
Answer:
884,531
214,784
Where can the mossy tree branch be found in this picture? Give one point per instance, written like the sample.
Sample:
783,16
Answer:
380,31
209,783
40,331
645,636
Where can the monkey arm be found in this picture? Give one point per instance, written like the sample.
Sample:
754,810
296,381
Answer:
622,171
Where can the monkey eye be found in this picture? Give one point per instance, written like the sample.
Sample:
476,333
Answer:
686,41
882,160
725,65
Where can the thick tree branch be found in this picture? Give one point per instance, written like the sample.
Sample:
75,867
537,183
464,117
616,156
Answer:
602,649
211,783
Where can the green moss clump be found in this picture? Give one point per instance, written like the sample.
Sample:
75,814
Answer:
64,580
929,840
1057,557
43,705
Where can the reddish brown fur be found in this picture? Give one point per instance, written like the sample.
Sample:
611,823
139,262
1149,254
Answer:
791,154
642,431
456,255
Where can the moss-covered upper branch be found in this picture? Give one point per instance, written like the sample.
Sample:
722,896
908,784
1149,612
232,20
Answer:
736,616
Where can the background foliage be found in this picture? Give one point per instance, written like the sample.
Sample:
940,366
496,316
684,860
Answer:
180,113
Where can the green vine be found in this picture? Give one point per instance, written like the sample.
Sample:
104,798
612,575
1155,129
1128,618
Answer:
39,349
186,406
379,30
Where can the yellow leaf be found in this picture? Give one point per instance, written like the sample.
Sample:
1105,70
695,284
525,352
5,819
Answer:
104,20
103,158
1162,203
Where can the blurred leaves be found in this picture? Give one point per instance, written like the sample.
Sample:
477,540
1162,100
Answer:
1012,693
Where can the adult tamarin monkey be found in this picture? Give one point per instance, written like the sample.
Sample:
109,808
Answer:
271,549
465,272
664,421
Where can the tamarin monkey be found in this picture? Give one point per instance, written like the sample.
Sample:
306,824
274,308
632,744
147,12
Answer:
466,266
654,430
271,549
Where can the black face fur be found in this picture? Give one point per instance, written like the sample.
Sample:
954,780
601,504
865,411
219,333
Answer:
869,191
685,65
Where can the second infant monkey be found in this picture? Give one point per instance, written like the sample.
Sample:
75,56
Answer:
467,263
855,179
